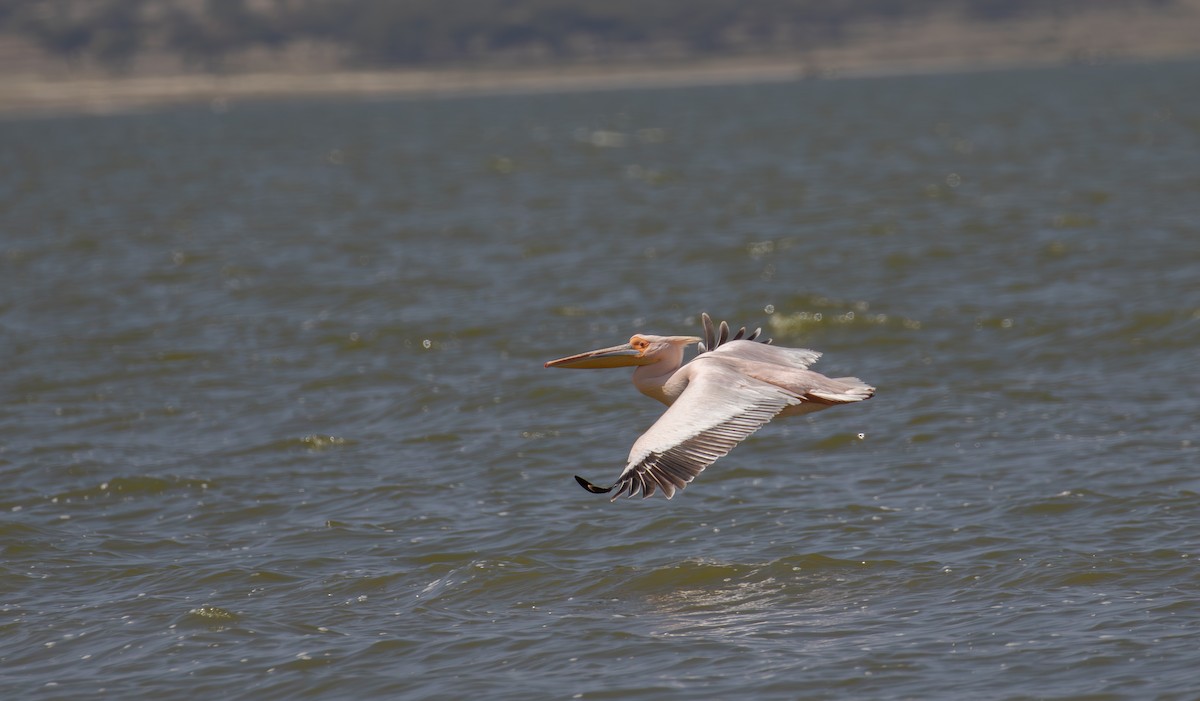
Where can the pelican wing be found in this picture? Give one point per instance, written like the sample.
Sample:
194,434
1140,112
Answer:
718,409
713,340
795,358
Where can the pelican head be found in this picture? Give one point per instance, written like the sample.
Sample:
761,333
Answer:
642,349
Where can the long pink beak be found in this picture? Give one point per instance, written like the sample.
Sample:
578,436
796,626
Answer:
616,357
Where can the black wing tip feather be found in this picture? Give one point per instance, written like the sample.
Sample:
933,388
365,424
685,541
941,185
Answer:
591,487
631,487
714,337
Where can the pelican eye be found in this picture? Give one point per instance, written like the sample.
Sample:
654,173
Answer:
638,343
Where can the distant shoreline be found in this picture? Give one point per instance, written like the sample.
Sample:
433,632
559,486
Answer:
33,96
938,45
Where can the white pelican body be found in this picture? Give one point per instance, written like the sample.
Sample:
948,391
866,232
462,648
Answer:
728,391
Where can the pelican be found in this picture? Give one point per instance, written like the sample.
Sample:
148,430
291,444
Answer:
734,386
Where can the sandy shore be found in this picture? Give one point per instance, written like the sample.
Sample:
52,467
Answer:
933,45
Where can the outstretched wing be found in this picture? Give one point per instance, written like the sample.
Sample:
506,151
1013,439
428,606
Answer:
792,358
717,411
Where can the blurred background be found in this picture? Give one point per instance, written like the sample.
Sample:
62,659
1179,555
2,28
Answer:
278,280
373,47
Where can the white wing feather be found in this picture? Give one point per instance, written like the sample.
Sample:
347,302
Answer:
797,358
718,409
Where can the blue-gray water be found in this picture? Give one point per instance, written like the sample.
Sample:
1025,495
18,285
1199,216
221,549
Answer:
274,422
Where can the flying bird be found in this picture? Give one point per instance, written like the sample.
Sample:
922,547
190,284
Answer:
733,386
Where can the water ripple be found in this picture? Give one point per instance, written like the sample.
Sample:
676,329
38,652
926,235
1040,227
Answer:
274,422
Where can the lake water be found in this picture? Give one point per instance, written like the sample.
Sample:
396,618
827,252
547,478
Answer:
274,422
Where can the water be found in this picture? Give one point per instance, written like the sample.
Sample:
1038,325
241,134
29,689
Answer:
274,421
